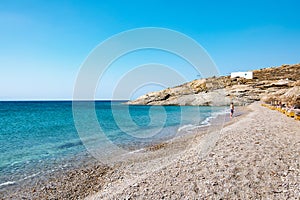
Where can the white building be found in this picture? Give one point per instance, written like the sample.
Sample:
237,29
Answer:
246,75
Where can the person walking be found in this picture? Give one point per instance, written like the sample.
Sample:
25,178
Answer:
231,110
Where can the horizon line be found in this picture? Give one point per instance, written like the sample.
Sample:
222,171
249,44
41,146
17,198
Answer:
14,100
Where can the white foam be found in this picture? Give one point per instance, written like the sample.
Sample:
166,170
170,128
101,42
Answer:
136,151
7,183
186,127
204,123
33,175
14,182
221,112
14,163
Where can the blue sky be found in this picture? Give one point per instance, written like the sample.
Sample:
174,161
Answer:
43,43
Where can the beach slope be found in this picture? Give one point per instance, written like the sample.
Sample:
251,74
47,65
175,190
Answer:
257,156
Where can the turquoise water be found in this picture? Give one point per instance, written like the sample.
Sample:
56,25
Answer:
39,136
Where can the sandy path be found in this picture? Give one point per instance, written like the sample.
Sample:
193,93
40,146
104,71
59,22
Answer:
258,157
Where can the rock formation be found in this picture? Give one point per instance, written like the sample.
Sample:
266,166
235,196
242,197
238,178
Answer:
222,90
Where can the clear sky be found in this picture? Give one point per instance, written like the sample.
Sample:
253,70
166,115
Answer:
43,43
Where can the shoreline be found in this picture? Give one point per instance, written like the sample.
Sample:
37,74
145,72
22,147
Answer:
201,138
70,181
255,156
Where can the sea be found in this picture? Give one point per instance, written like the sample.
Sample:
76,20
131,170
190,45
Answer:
37,137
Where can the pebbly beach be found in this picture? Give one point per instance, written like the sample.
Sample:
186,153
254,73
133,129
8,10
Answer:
256,157
253,155
137,100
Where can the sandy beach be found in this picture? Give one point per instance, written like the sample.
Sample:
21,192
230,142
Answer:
256,157
113,100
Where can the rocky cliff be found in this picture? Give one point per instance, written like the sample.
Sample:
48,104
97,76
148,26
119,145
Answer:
266,83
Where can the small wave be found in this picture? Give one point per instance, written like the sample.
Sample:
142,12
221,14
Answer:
136,151
33,175
223,112
14,163
190,127
7,183
214,115
14,182
186,127
206,122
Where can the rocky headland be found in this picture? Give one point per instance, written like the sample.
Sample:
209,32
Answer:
281,83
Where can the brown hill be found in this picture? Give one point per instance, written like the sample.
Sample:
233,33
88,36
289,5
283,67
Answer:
275,81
